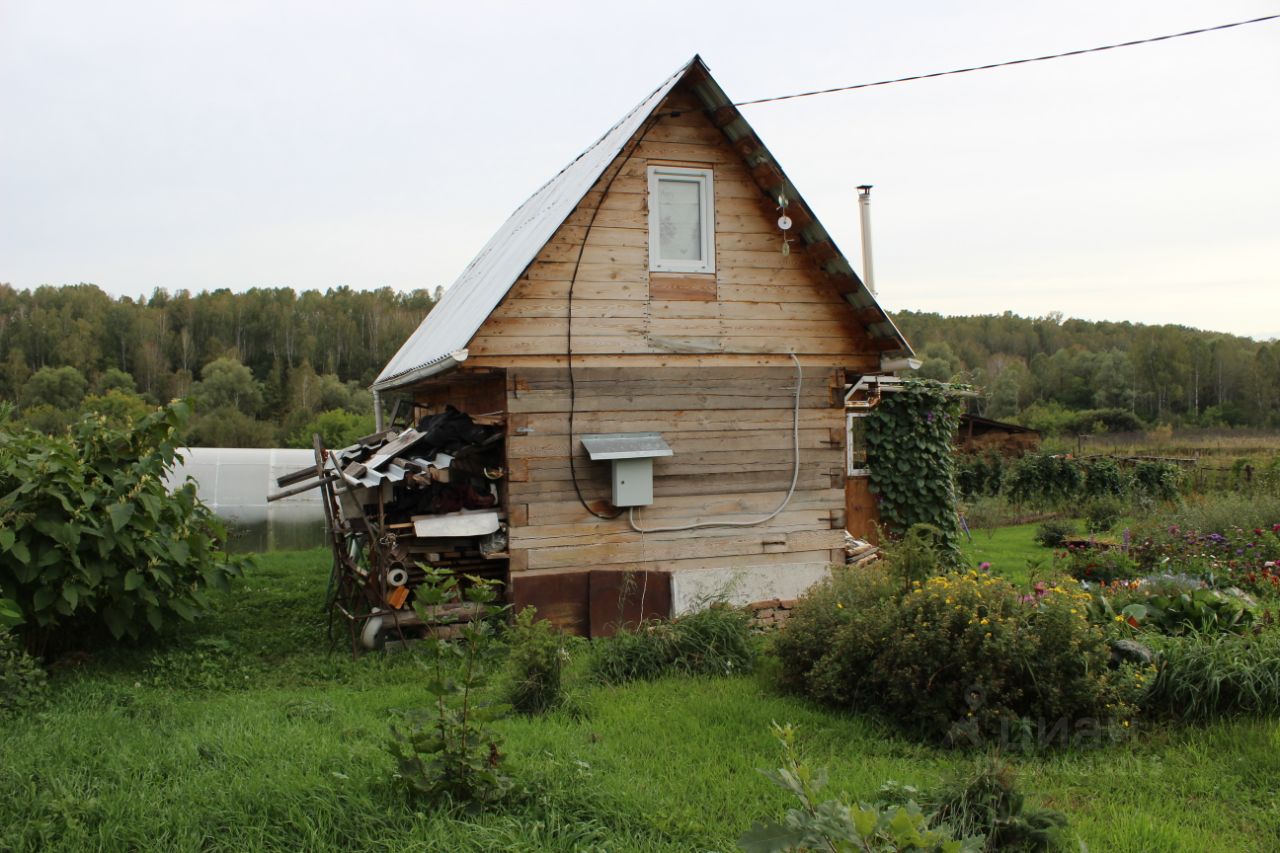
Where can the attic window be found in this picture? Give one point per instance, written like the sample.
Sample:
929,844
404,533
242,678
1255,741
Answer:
681,220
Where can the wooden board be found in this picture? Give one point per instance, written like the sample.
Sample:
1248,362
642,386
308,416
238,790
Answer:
861,513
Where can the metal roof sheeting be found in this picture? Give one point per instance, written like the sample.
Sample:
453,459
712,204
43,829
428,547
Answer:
472,298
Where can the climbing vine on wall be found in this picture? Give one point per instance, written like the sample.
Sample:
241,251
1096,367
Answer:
910,435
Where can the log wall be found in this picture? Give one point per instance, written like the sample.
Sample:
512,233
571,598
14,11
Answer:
731,433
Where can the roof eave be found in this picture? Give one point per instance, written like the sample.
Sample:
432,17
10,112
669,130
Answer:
424,371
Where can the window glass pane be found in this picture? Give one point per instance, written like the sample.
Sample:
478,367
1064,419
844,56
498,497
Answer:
858,444
680,220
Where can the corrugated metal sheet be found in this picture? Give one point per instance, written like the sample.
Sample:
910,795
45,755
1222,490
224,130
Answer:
470,300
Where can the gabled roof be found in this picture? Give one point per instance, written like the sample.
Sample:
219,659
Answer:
439,343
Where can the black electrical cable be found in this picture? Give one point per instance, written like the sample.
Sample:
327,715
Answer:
573,280
1045,58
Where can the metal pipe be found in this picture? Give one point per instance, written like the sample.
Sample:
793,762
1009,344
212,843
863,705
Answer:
864,216
377,410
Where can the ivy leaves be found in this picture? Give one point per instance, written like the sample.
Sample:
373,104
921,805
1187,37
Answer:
910,437
90,533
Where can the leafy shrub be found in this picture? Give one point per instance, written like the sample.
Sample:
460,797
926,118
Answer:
23,681
1043,479
971,657
1054,533
980,475
1192,611
840,826
847,614
963,657
91,536
1158,481
1102,514
448,753
537,660
918,555
1097,563
986,802
1103,478
910,436
1207,676
713,641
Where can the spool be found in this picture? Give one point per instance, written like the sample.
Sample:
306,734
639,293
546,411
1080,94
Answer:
397,576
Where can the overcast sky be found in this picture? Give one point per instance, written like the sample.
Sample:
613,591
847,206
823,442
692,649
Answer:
313,144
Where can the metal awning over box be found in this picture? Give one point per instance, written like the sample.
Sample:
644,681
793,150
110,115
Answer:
632,455
625,445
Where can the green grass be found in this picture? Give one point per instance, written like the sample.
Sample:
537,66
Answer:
1011,551
244,733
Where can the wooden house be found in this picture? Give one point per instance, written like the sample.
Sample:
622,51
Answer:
645,289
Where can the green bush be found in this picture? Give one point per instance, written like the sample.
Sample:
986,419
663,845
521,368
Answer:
1103,477
1206,676
980,475
986,802
1054,533
23,683
1158,481
1043,479
448,753
1102,514
91,536
963,658
839,825
713,641
1192,612
1097,564
537,660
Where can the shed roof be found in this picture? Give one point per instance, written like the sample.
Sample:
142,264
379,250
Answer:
439,342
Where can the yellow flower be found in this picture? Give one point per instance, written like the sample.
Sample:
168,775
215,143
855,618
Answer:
985,622
840,604
1125,724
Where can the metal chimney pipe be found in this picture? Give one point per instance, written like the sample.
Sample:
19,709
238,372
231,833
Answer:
864,216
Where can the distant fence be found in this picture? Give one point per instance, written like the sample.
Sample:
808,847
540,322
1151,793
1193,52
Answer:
235,482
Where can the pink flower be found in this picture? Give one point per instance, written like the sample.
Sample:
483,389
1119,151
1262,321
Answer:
984,566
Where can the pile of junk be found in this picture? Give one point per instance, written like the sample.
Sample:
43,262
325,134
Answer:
426,494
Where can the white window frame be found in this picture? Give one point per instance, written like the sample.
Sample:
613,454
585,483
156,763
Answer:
703,177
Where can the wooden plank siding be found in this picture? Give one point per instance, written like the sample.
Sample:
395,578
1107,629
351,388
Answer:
731,430
758,302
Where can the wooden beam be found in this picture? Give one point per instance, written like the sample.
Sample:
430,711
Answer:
823,251
767,176
869,315
723,116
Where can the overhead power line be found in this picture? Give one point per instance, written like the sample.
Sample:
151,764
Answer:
1045,58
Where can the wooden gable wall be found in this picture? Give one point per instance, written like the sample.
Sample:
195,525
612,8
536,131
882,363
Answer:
757,303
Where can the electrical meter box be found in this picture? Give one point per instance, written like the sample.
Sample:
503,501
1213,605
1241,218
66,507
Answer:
631,455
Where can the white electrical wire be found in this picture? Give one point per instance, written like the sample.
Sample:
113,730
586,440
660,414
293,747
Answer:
795,477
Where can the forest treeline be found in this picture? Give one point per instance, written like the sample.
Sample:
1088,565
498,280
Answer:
268,366
264,366
1066,375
